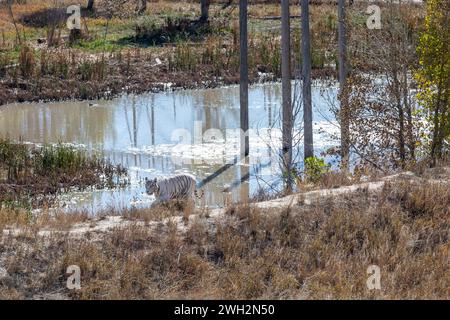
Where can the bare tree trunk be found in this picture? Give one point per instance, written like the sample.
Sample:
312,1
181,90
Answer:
401,139
344,112
408,107
286,89
135,122
74,35
243,39
204,6
306,77
14,22
436,143
90,5
401,114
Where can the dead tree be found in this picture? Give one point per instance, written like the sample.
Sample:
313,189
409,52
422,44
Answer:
286,93
243,39
343,114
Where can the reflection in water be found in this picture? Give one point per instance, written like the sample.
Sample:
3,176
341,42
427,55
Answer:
136,131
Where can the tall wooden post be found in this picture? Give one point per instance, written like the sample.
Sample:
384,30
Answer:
306,77
135,129
343,111
286,92
243,39
153,119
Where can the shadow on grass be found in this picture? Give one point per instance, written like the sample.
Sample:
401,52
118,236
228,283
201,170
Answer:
173,30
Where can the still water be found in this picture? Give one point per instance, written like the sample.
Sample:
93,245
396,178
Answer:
157,135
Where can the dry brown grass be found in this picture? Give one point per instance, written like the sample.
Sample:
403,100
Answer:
303,252
160,212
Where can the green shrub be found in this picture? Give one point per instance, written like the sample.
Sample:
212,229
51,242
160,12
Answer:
315,169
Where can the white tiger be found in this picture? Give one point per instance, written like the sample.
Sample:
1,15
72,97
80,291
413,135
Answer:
179,187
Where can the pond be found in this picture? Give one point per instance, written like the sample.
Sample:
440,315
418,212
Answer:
160,134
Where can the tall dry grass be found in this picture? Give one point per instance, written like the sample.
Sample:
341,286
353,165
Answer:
321,251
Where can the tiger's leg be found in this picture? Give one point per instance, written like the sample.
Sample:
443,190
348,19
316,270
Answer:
155,204
188,209
159,201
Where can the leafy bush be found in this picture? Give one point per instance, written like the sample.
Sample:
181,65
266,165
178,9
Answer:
315,169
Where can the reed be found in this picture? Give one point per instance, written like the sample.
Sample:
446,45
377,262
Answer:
5,63
27,61
34,175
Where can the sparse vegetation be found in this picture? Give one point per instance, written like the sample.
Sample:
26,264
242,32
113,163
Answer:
167,34
316,244
320,251
31,176
433,76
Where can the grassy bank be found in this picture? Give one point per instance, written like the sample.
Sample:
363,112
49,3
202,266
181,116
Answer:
303,251
121,52
32,176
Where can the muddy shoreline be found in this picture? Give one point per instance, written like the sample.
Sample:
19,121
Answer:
142,78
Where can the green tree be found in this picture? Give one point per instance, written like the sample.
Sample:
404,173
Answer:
433,75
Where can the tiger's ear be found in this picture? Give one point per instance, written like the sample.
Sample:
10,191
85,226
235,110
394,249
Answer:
156,180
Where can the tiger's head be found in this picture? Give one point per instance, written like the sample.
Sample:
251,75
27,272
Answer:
151,186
